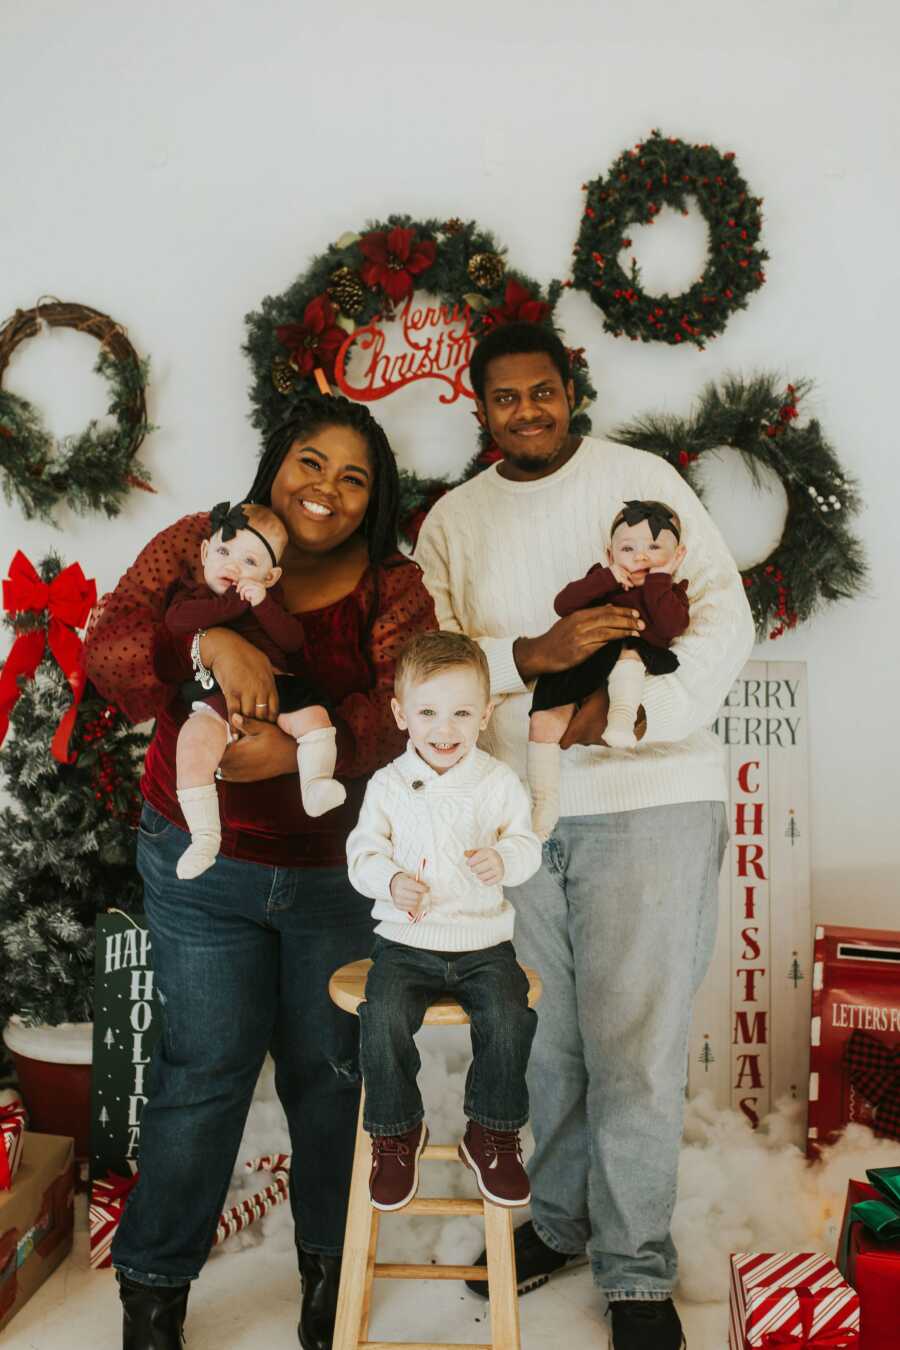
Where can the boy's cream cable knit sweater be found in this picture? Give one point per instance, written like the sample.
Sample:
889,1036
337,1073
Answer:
495,553
411,815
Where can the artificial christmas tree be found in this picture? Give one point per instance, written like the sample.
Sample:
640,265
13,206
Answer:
67,836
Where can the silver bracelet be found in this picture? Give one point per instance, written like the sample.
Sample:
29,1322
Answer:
206,678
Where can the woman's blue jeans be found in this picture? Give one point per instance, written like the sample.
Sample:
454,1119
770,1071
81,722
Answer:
242,956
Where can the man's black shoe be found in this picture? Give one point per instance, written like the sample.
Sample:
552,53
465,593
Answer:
320,1277
535,1262
152,1314
645,1324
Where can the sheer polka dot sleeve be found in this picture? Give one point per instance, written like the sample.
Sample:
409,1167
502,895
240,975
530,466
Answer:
130,656
368,736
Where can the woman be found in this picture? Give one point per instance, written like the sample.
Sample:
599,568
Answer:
242,954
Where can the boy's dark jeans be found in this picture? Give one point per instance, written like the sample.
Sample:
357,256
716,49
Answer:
492,988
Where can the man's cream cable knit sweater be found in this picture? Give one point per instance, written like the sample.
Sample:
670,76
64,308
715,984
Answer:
412,815
495,553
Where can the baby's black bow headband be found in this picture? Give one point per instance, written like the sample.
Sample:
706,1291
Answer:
229,519
657,515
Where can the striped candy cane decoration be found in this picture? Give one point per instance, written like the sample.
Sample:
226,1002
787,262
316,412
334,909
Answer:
256,1206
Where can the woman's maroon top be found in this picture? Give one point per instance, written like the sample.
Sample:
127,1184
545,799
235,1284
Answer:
137,664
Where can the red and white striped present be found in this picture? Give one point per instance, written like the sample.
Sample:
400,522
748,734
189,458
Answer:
12,1141
104,1212
791,1300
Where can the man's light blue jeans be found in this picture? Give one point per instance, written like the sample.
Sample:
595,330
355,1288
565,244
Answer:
619,922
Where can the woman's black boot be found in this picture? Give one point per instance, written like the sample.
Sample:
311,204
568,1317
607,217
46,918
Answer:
153,1315
320,1277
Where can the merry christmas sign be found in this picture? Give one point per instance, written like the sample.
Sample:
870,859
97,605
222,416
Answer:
750,1034
126,1028
435,344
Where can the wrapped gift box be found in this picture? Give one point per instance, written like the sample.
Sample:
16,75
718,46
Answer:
12,1140
35,1220
854,1062
104,1212
872,1266
791,1299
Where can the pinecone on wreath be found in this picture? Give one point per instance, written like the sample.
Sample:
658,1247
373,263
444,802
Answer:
283,375
486,270
346,290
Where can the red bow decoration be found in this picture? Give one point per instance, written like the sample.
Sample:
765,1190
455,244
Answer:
875,1073
784,1339
68,599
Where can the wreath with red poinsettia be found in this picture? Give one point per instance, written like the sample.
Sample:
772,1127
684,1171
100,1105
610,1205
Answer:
364,277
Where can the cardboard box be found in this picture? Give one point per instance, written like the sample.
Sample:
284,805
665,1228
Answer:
36,1220
873,1268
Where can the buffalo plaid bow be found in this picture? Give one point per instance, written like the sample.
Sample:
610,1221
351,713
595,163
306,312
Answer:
875,1073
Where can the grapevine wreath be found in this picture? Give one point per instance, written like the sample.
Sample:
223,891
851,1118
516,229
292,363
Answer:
665,171
818,558
368,276
95,469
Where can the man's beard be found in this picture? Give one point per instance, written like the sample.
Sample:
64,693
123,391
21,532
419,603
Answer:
533,464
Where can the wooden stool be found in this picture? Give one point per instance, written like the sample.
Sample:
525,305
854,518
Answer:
359,1267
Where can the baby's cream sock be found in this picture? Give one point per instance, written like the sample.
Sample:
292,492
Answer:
543,780
316,757
625,686
200,808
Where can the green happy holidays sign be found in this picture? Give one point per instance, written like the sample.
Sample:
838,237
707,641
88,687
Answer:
126,1028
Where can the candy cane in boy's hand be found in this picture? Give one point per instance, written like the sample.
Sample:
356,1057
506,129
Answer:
415,915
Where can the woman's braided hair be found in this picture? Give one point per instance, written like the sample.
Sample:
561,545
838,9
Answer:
313,413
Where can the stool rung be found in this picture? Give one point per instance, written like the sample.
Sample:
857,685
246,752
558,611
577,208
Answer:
421,1345
443,1205
388,1271
441,1153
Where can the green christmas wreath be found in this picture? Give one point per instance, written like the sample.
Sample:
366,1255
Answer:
818,558
91,471
663,170
362,277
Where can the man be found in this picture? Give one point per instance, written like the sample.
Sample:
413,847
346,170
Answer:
620,919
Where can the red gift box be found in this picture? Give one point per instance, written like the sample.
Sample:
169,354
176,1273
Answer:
12,1141
854,1062
789,1300
873,1268
107,1202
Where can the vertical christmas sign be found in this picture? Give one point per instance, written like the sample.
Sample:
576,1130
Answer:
749,1039
126,1028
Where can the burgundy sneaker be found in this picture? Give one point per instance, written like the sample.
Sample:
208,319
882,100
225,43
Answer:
394,1178
495,1156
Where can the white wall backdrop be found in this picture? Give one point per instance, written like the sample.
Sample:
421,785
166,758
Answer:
173,163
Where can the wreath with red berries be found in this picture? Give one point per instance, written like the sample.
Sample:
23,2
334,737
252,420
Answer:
367,276
818,558
663,170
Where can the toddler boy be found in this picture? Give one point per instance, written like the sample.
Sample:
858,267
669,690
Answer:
440,829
